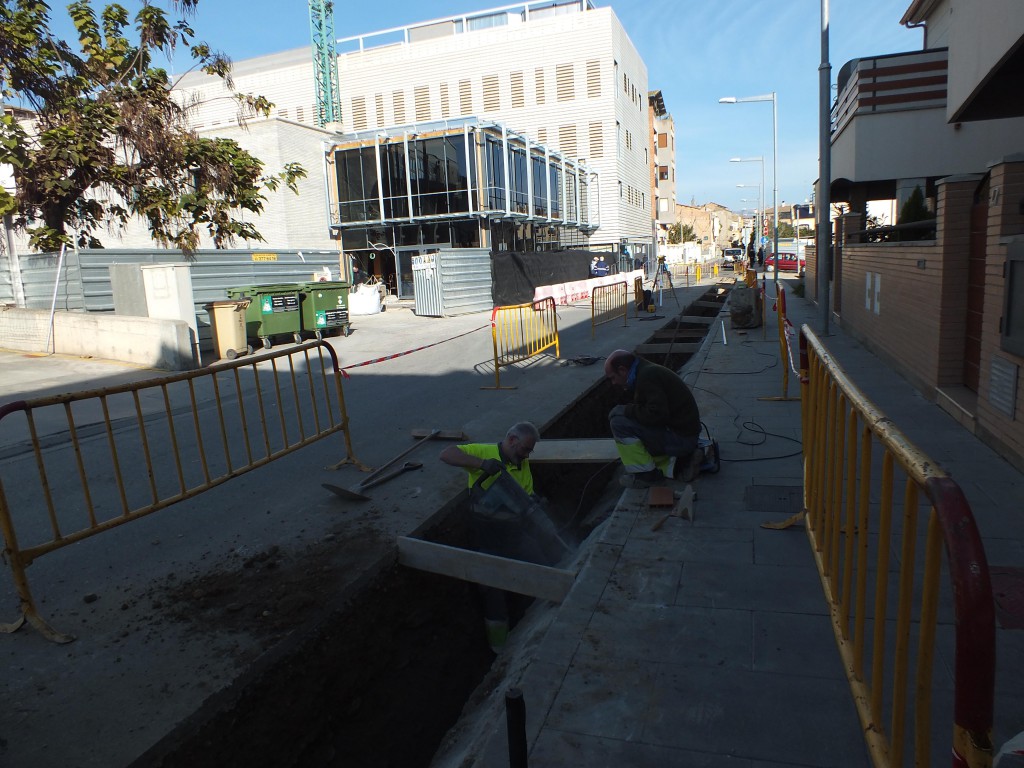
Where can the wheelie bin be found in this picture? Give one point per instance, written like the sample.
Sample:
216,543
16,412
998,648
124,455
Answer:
227,324
325,307
273,311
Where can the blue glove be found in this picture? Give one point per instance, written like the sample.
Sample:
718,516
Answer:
491,466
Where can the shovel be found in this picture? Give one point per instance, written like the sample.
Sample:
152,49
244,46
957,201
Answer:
346,493
374,477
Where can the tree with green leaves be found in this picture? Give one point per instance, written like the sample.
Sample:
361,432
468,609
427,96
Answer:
674,235
915,208
106,140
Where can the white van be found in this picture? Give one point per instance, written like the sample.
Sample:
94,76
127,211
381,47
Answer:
732,254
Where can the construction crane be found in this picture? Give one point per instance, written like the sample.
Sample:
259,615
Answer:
325,62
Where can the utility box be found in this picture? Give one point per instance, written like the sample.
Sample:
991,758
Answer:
169,296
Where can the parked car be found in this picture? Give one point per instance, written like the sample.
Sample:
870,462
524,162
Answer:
787,263
729,255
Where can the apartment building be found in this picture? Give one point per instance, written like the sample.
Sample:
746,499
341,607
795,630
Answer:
663,170
937,297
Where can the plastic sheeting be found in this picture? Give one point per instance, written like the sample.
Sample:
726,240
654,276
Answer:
516,274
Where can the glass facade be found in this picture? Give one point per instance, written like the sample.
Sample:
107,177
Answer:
403,191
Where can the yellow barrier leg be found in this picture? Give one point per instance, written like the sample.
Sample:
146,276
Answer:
28,606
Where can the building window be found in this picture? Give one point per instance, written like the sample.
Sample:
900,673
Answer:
593,79
565,88
539,78
359,122
398,100
492,93
596,140
421,98
663,140
567,140
379,103
446,110
518,95
663,172
465,97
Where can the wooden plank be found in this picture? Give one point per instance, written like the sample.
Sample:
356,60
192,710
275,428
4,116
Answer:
566,451
444,434
492,571
696,319
667,348
680,333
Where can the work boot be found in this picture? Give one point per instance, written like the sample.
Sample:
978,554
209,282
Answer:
692,467
642,479
497,633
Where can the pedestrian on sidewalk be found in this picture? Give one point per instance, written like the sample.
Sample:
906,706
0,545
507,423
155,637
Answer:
505,521
660,425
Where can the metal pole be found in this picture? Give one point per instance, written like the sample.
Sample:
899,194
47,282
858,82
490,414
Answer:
53,301
823,238
515,720
760,223
775,187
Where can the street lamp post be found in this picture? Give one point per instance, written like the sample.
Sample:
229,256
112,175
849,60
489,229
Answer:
760,205
775,168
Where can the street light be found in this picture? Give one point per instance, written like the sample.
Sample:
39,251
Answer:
760,221
775,167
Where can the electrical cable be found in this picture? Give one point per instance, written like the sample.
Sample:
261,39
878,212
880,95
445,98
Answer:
583,493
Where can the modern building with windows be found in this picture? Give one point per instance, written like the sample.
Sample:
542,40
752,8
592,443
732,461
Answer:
523,127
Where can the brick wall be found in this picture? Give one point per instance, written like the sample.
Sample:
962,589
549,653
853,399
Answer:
1005,221
890,300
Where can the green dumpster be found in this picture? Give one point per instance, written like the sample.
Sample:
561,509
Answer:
325,307
273,311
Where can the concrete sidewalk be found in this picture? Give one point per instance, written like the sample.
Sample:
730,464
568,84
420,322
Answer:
709,643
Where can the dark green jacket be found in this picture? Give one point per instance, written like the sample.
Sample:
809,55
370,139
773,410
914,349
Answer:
660,398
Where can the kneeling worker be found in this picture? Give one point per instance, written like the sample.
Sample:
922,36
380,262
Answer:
659,426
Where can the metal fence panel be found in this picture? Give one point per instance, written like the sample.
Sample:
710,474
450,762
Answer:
465,280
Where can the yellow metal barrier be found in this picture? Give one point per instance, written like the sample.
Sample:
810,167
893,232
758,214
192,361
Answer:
608,302
638,295
872,499
520,332
750,278
785,348
263,408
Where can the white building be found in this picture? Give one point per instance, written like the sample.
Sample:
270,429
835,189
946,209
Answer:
565,77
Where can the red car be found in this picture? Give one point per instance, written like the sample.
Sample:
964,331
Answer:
787,263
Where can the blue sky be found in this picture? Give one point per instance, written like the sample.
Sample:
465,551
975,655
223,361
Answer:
696,51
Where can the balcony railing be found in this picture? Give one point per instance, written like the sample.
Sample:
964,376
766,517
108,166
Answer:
893,83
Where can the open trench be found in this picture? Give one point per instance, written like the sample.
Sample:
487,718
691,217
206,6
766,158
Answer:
386,672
